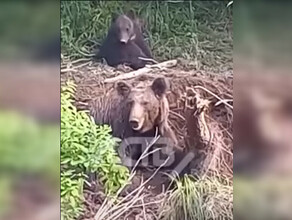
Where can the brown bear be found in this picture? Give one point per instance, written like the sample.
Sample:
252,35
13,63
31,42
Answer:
124,43
136,112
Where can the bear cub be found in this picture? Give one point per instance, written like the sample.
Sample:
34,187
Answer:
124,43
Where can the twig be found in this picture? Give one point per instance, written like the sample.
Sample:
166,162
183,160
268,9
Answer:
68,70
144,154
149,203
79,60
139,72
123,208
148,59
222,100
178,115
127,205
144,210
83,64
133,173
142,185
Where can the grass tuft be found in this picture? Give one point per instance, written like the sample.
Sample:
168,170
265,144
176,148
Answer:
206,198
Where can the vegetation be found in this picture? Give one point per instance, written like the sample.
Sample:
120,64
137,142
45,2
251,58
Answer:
26,147
199,31
206,198
195,30
85,148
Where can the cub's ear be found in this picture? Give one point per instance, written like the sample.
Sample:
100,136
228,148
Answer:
123,88
131,15
142,24
160,86
114,16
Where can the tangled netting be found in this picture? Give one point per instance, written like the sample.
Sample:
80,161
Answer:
201,109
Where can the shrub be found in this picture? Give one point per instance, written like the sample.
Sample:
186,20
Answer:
85,148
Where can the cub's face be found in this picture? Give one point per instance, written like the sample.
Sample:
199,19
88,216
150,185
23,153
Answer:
148,104
123,27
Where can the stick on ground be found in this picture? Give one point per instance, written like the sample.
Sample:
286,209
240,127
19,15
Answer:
139,72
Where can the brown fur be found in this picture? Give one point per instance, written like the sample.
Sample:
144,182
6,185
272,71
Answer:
147,105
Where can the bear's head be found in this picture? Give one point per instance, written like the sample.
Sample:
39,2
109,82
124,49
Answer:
148,105
123,28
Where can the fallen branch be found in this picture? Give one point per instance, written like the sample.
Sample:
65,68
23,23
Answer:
68,70
148,59
139,72
216,96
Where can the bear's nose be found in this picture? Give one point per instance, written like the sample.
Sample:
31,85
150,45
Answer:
123,41
134,124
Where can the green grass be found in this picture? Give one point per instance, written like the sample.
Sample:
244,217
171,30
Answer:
206,198
195,30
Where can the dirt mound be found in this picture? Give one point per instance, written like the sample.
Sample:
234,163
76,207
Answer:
201,111
201,114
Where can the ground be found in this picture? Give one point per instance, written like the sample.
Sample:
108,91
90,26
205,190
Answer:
191,92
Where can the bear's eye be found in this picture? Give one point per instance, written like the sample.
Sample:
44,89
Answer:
145,103
127,29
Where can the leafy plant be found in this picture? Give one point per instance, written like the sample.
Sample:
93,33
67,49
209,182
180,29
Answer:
85,148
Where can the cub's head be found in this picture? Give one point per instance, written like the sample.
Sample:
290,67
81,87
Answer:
148,106
123,28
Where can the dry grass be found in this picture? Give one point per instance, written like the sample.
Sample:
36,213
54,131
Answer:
206,198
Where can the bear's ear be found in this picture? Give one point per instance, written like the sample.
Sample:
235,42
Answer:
123,88
159,86
142,24
114,16
131,15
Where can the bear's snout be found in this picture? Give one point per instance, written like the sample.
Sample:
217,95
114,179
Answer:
123,41
124,38
136,119
134,124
